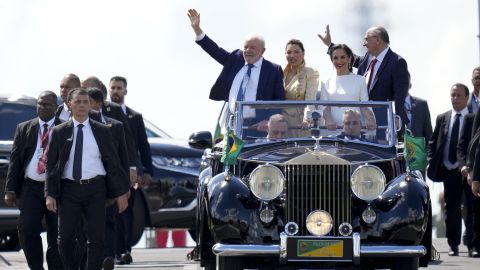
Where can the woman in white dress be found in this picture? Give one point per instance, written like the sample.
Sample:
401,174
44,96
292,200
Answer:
301,83
343,85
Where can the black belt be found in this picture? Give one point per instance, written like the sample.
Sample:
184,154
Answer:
85,181
34,181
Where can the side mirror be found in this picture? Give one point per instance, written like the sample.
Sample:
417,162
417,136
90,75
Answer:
200,140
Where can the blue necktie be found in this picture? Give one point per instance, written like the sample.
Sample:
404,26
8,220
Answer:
241,90
452,148
77,156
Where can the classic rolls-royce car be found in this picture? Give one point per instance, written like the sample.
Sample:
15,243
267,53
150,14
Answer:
169,201
325,186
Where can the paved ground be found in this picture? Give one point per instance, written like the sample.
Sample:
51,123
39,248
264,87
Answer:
175,259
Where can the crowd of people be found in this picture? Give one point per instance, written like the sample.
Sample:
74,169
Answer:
78,166
382,75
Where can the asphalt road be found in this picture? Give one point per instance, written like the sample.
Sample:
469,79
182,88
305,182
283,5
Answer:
175,259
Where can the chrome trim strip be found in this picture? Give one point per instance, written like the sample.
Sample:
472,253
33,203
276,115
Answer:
356,248
9,212
392,251
192,205
283,248
245,250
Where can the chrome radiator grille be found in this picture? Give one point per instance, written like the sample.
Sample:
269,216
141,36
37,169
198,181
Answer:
313,187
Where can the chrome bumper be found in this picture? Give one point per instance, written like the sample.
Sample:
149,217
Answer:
359,251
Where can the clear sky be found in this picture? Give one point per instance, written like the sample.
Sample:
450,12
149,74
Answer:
152,44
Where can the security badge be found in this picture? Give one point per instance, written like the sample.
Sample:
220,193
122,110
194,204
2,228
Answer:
39,153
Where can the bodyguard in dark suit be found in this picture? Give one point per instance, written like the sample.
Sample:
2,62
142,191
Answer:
473,98
420,123
443,163
83,171
25,184
385,72
117,91
465,165
68,82
246,75
473,179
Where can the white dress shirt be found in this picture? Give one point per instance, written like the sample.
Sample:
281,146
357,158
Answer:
447,162
65,113
249,85
31,170
91,158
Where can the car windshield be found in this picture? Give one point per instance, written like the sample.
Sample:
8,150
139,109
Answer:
12,114
270,121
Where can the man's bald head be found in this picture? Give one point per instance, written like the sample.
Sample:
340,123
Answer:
69,82
95,82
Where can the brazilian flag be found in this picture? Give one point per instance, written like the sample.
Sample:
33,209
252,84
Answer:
217,136
232,145
415,152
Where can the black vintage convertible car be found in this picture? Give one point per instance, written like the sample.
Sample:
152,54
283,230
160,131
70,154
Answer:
309,193
168,202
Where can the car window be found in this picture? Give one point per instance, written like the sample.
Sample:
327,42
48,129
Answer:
11,114
153,131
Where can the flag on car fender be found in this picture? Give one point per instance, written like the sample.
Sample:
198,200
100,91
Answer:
217,136
414,152
232,146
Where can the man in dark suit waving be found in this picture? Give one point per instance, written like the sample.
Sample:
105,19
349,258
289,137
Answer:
443,165
26,181
83,172
246,75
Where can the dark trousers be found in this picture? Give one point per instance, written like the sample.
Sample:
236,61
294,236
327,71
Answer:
125,227
476,224
79,201
32,210
110,230
467,213
452,186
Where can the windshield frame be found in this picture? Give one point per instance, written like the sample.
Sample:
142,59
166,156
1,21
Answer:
237,120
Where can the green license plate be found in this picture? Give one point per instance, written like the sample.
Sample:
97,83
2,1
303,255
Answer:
320,248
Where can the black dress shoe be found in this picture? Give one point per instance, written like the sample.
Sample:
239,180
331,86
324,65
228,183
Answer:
453,251
108,263
127,258
119,260
475,254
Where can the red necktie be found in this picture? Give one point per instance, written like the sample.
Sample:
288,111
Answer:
371,68
42,160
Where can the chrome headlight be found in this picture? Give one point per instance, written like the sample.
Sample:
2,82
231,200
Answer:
368,182
319,222
266,182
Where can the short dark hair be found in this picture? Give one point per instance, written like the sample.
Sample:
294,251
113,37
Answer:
77,92
48,93
295,42
95,94
467,92
119,78
382,33
347,50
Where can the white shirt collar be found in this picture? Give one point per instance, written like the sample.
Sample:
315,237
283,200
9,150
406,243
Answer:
463,112
85,123
381,55
124,108
49,122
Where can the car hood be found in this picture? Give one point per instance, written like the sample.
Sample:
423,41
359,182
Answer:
6,146
173,148
307,155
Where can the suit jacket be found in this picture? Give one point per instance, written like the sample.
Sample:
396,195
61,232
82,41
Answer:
118,135
24,145
113,110
270,83
391,81
421,125
464,140
469,103
137,126
436,146
116,181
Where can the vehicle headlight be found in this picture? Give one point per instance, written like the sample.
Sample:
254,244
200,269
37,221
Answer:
319,222
368,182
266,182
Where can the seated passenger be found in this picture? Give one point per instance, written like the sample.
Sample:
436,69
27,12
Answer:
352,126
277,127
